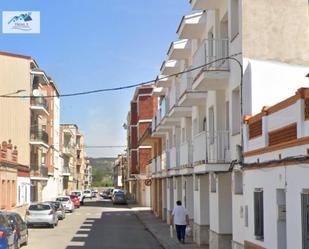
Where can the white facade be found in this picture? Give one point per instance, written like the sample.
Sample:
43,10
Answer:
279,168
201,113
23,191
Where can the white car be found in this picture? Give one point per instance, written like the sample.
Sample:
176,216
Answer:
66,202
87,193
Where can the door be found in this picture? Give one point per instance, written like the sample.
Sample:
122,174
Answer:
305,219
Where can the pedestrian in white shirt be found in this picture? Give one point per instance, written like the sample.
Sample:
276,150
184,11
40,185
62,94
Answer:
180,219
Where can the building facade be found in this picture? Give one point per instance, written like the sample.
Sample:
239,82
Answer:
15,77
142,109
236,62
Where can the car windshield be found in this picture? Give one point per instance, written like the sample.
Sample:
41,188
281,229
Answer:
86,191
39,207
56,204
62,199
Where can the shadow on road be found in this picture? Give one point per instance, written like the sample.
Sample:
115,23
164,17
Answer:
117,228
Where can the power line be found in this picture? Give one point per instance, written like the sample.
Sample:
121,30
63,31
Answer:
127,86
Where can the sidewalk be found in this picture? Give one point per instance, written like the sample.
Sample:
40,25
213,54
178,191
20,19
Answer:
161,231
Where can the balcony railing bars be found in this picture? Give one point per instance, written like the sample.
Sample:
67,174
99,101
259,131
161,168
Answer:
38,135
209,51
39,101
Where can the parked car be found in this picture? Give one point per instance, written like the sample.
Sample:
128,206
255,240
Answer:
60,211
8,236
110,193
20,228
66,202
104,194
87,193
94,193
119,197
41,214
75,200
79,193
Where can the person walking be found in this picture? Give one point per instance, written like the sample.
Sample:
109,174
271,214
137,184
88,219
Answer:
180,219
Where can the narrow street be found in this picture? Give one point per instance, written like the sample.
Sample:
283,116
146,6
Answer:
98,224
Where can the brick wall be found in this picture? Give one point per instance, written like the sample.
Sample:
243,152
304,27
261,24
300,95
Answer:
133,120
133,162
144,156
145,107
141,129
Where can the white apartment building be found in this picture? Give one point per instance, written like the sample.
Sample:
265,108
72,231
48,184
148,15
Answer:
275,175
201,112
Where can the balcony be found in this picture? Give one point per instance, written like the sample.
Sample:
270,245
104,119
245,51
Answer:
163,82
179,50
192,26
213,76
187,96
170,67
38,137
66,171
186,154
199,151
206,4
68,150
174,157
39,105
218,148
165,160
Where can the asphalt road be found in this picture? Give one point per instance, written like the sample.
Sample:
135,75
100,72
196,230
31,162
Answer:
97,225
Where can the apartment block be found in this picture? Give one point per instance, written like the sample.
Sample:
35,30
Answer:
238,57
142,109
15,80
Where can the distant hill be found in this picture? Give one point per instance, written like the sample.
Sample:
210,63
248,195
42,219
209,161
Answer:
103,165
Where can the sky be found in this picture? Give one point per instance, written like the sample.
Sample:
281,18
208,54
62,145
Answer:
94,44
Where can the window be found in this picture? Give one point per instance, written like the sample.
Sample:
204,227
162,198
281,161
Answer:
258,214
234,18
236,111
204,124
213,183
238,184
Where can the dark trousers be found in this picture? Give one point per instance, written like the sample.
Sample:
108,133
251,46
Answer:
181,232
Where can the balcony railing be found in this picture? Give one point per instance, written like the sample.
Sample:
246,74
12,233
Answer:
186,154
199,147
185,82
218,148
38,135
40,102
68,149
174,157
44,171
209,51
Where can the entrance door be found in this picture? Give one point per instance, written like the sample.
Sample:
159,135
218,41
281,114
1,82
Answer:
305,219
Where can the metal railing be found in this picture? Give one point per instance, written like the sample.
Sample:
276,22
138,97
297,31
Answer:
199,147
44,171
211,50
185,83
38,135
217,147
40,101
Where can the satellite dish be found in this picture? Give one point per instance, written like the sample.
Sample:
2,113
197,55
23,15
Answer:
36,92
